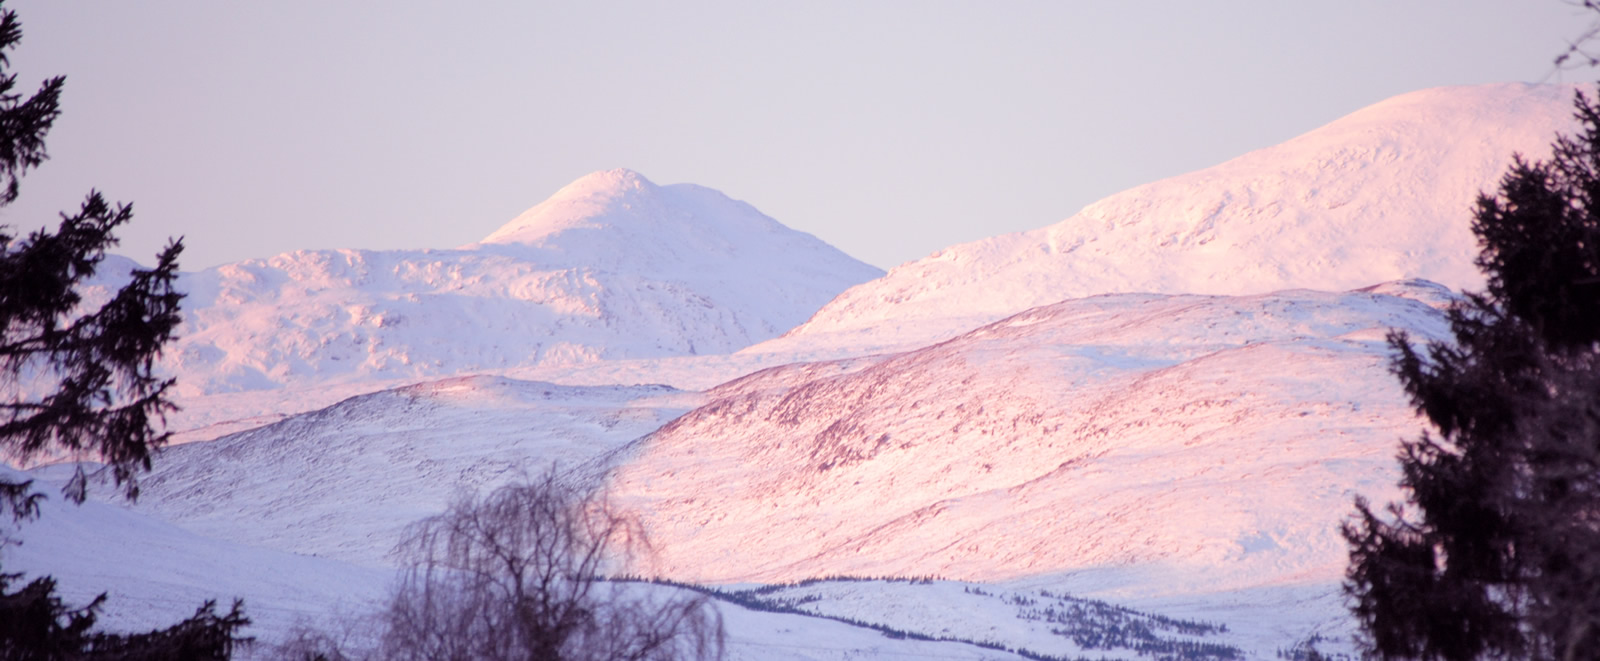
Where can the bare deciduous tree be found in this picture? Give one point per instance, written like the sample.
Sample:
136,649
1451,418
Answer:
520,574
1581,49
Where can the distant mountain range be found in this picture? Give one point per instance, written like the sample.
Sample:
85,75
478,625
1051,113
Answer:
611,266
1385,193
1224,435
1168,399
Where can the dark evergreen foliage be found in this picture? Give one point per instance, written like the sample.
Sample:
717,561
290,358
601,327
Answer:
1496,554
79,383
103,400
23,122
36,626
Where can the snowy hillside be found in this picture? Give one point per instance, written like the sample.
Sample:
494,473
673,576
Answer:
1383,194
1187,455
155,573
297,518
611,266
342,482
1213,441
162,572
1166,402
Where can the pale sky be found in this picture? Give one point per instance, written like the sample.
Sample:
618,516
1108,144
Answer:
888,129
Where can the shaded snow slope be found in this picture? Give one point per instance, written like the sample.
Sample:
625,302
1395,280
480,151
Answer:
611,266
216,519
1044,622
1189,442
343,481
158,573
1132,446
1385,193
1219,437
155,574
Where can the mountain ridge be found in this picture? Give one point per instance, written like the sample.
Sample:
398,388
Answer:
612,266
1114,430
1382,194
1194,448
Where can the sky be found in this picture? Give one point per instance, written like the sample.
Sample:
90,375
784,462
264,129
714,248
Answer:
888,129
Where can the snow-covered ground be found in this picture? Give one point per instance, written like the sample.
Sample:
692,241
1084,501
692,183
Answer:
1150,416
343,481
612,266
1382,194
1188,456
1223,434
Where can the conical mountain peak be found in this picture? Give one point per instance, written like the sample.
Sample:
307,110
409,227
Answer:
582,203
610,266
618,221
605,183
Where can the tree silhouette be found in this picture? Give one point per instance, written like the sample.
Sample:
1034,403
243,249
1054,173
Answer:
1496,552
518,574
79,383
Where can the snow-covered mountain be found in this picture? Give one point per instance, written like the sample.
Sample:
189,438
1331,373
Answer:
162,572
1382,194
611,266
1155,449
1186,386
298,517
341,482
1215,441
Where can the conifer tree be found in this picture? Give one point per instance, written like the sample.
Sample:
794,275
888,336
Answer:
79,383
1496,552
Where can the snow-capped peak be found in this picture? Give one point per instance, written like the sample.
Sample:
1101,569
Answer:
1385,193
605,182
579,204
611,266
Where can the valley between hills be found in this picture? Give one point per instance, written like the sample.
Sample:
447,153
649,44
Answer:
1131,434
